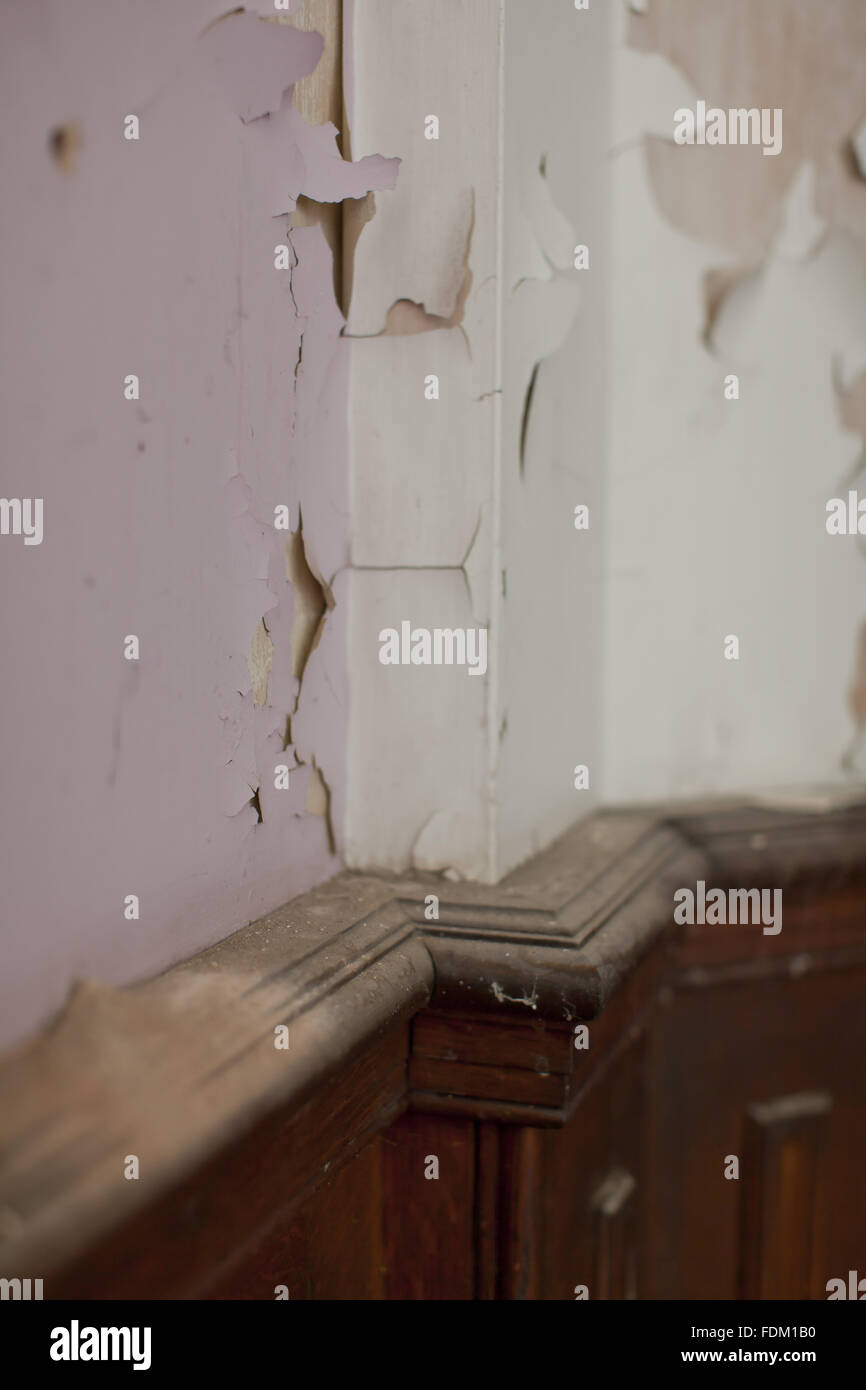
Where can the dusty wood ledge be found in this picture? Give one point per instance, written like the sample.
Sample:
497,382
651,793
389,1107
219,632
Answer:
173,1069
180,1067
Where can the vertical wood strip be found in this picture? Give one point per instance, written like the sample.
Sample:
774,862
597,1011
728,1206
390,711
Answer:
428,1223
487,1210
614,1237
522,1248
784,1138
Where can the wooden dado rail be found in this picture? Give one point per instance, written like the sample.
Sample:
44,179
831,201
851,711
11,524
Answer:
418,1046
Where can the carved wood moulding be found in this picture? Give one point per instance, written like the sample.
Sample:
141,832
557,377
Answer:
486,996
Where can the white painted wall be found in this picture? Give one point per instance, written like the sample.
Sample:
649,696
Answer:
448,771
715,509
707,515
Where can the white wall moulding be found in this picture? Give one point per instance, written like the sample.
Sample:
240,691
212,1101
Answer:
463,506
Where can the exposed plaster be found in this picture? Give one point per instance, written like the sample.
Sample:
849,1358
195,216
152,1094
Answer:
407,315
256,804
308,213
357,212
314,176
260,661
728,197
436,286
319,803
313,598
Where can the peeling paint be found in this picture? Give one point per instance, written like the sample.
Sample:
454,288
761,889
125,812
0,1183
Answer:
727,262
315,177
858,149
318,803
357,212
850,391
313,598
406,316
852,759
724,196
244,380
467,274
256,804
718,283
311,164
802,229
524,422
250,64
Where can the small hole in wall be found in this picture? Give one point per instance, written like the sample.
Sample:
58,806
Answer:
64,142
256,804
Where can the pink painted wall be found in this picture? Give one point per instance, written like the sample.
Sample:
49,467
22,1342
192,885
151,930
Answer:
156,257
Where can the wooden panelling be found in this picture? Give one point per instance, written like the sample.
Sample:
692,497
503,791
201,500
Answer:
591,1185
429,1222
492,1083
330,1247
532,1047
524,1241
432,1132
253,1204
487,1227
719,1051
615,1236
780,1193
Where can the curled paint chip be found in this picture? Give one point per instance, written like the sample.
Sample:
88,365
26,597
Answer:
251,63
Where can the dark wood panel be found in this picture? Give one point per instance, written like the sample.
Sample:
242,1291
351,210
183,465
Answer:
569,1196
718,1051
615,1236
534,1046
524,1240
329,1248
191,1241
429,1222
780,1193
592,1185
490,1082
488,1140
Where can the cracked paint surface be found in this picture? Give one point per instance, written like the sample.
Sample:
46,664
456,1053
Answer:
466,274
156,257
726,262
